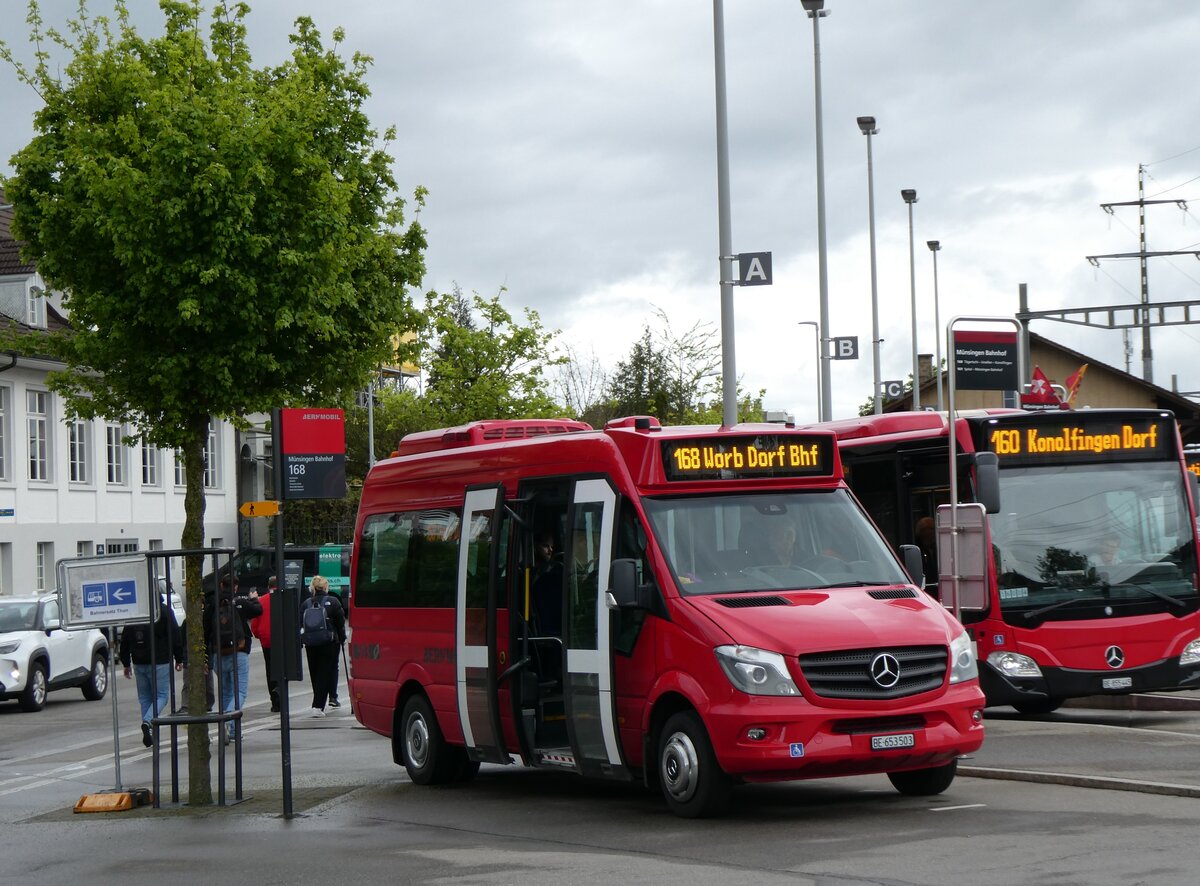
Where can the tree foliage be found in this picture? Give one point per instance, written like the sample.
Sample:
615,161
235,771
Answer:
227,239
672,377
483,363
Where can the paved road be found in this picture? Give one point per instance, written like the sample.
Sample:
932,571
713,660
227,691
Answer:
357,816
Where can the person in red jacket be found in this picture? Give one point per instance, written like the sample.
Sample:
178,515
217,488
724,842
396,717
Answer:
260,626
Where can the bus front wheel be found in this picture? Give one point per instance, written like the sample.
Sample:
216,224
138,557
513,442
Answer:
427,757
924,782
1038,706
692,781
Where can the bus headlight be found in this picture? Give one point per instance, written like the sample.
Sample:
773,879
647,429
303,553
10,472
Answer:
756,671
1191,653
963,664
1012,664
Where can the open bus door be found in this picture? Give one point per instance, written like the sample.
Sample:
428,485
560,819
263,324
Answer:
475,624
590,702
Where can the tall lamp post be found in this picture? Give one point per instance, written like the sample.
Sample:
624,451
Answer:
910,197
867,125
816,10
934,246
816,341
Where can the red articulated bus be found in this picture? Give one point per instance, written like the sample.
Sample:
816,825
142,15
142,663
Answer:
691,606
1092,583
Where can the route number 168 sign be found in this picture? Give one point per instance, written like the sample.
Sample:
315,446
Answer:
314,453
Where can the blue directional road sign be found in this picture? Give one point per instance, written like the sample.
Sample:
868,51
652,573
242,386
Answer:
97,591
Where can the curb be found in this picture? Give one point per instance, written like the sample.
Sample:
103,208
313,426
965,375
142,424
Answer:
1148,701
1083,781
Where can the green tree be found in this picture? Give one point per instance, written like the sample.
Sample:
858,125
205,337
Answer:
228,239
483,363
672,377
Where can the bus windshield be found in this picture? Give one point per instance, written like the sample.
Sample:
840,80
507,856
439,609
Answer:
720,544
1084,541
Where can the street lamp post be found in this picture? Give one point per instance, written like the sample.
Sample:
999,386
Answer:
934,246
868,127
817,342
816,10
910,197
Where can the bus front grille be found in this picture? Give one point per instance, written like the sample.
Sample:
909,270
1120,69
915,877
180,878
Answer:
875,673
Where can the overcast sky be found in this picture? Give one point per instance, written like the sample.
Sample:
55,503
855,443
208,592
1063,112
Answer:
570,154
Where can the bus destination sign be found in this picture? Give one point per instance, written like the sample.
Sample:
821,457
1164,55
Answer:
742,458
1080,439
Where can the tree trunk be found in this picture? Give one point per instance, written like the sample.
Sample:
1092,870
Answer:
199,753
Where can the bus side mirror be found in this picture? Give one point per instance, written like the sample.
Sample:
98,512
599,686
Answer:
625,592
914,564
987,481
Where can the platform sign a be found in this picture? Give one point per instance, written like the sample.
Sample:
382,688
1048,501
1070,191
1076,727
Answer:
97,591
313,442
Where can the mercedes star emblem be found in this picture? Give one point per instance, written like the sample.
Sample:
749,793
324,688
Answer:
885,670
1115,656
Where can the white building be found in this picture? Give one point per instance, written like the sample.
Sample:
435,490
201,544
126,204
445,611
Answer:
74,488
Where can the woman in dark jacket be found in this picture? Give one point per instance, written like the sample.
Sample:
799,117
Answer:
153,673
322,639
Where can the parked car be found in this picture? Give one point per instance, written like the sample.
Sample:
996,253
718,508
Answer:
37,655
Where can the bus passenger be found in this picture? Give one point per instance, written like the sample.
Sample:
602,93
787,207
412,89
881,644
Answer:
546,587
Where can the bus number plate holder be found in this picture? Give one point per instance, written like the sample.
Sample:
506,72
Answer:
888,742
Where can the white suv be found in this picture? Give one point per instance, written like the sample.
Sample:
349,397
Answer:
37,655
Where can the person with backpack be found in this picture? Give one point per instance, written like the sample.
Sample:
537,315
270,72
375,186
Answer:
227,635
153,672
322,633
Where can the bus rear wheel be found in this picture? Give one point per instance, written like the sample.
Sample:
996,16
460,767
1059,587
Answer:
924,782
427,757
692,781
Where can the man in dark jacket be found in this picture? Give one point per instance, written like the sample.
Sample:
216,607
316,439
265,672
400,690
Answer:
227,636
153,671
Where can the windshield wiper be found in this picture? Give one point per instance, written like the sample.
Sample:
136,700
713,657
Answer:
1160,594
858,584
1034,613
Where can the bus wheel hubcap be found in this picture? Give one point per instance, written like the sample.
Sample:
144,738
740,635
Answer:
680,768
418,741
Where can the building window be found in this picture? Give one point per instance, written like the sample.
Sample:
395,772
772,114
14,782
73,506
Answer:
45,565
114,453
149,464
84,548
180,470
5,435
212,456
121,545
35,314
79,447
37,408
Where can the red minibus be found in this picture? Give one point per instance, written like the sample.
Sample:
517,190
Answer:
690,606
1092,583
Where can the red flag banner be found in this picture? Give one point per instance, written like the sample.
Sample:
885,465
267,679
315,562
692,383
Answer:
1073,381
1041,393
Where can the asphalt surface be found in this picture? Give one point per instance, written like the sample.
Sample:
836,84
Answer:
1142,742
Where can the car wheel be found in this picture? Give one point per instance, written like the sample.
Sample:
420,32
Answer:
97,682
426,756
924,782
34,696
692,781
